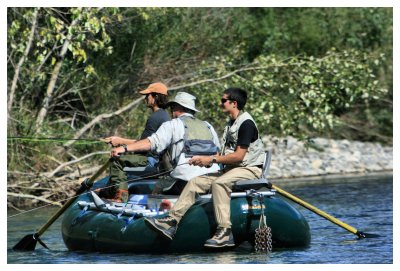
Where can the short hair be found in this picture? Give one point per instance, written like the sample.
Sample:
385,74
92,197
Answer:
161,100
237,94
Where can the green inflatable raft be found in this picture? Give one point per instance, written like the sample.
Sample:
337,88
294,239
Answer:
91,224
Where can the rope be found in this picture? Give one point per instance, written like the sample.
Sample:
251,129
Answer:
54,139
136,179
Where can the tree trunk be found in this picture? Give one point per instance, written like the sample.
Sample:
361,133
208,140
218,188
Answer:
21,62
53,80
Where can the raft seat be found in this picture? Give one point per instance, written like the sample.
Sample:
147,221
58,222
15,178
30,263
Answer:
256,184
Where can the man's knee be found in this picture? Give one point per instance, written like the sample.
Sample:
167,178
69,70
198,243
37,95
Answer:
193,183
218,183
224,183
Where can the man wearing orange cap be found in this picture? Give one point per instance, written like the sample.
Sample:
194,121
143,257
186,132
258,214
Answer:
156,99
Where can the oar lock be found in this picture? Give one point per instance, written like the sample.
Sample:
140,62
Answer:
87,183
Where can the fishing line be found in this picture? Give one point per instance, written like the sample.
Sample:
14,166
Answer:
54,139
135,179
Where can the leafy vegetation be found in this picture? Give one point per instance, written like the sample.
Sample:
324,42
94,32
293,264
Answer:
308,71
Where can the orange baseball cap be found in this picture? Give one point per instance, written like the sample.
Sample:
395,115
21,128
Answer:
155,88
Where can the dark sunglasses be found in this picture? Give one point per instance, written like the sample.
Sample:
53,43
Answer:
223,100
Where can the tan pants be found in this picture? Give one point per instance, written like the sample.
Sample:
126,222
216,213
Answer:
221,185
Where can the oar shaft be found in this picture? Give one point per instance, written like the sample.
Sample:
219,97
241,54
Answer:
315,210
55,216
70,201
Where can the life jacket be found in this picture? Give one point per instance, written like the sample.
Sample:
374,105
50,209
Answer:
197,140
255,153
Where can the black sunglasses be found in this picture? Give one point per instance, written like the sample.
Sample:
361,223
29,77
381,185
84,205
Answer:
223,100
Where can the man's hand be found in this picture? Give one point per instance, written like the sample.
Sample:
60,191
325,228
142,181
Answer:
201,161
116,152
116,141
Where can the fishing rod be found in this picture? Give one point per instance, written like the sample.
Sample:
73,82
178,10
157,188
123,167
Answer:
49,138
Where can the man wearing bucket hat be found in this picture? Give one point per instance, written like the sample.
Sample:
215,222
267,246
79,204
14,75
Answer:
183,137
156,98
242,155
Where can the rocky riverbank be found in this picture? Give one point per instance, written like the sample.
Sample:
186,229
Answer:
324,157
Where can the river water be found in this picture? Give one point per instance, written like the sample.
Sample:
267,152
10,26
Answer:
365,204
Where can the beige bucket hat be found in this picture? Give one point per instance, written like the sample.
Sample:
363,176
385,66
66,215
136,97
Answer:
184,99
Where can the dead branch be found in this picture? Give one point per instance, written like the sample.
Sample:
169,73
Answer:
50,175
79,173
101,117
10,205
22,173
33,197
18,186
210,80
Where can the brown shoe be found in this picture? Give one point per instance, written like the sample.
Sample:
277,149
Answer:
166,225
222,238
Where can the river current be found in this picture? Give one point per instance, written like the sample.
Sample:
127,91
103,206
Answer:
366,204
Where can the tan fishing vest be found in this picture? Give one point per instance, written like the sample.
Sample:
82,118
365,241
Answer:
255,152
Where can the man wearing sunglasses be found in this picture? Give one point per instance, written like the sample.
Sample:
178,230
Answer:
156,98
242,155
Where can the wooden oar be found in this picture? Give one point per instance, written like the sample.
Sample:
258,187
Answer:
28,243
323,214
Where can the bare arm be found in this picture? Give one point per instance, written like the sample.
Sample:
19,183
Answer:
116,141
141,145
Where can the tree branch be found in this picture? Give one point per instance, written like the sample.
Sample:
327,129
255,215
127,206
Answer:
52,83
33,197
21,62
51,174
101,117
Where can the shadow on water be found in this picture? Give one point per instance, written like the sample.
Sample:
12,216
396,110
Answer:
364,204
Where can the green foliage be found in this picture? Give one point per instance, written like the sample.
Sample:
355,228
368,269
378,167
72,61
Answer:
300,95
308,71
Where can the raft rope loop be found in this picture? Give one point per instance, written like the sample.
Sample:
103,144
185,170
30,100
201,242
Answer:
263,235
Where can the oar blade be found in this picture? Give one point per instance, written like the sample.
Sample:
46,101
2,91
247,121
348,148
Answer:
367,235
28,243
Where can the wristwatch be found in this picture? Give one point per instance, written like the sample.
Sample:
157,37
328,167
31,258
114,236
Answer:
125,147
